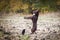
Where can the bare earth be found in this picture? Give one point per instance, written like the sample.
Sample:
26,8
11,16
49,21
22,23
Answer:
48,26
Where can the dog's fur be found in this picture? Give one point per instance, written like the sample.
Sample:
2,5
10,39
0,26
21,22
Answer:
34,19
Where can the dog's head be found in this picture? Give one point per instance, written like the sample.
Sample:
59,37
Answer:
35,12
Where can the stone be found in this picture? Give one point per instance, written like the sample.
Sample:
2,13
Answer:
43,39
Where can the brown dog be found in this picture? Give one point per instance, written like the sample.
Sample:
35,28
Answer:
34,19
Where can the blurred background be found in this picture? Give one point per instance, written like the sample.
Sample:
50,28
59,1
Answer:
19,6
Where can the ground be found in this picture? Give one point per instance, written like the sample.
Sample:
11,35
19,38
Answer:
48,27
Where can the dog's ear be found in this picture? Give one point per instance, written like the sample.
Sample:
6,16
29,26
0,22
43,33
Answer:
32,11
36,13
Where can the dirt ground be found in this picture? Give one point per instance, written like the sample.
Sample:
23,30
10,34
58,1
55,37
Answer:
48,27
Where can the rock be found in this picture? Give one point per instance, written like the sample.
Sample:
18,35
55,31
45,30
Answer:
35,38
48,37
7,33
7,38
43,39
14,27
23,31
1,28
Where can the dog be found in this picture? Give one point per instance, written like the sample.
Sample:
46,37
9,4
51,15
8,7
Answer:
34,19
